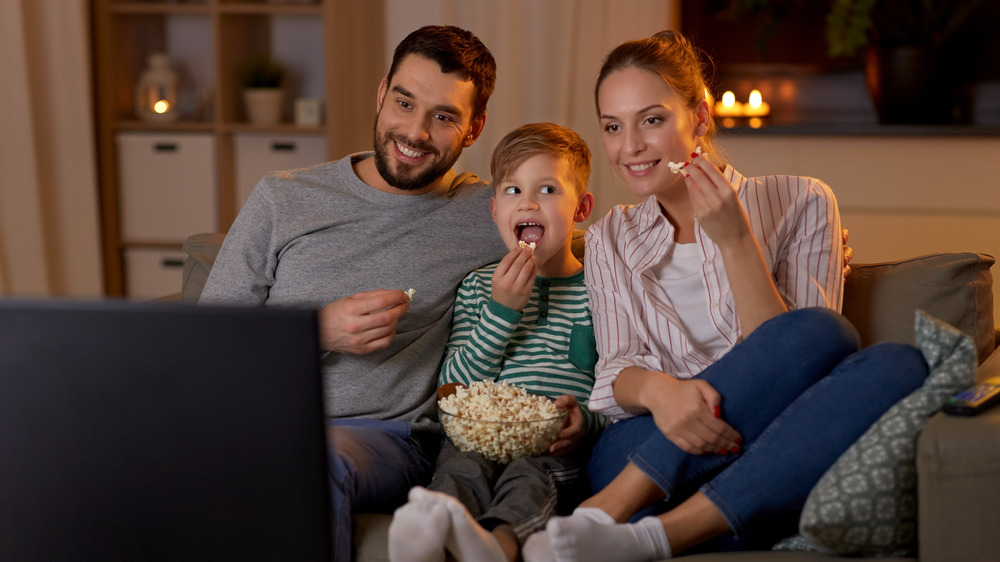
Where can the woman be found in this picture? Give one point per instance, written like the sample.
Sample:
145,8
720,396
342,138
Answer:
728,407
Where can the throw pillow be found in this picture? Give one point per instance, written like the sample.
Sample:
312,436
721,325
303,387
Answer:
866,503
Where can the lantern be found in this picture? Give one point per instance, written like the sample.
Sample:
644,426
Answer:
156,93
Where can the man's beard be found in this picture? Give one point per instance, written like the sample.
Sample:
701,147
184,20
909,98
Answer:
409,178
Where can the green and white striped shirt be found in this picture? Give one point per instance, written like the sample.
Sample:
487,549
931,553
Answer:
547,349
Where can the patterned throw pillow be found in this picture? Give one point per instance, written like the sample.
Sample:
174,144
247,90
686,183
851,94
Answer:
866,503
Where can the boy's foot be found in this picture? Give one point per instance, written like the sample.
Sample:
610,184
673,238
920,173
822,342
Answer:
418,531
467,540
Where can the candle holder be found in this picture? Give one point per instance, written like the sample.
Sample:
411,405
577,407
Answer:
156,92
732,112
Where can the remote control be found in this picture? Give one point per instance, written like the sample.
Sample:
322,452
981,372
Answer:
974,400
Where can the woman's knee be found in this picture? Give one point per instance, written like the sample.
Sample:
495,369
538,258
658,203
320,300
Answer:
825,324
900,363
819,331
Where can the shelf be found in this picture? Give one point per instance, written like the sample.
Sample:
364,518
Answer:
206,41
152,244
281,129
149,8
242,8
177,127
271,9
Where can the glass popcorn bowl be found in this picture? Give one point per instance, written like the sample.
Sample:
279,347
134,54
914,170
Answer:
502,441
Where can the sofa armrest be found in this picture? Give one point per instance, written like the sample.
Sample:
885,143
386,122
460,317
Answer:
201,250
958,463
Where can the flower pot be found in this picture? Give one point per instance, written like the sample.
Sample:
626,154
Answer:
908,86
263,105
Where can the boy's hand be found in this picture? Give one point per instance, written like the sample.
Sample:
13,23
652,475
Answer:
572,432
514,278
361,323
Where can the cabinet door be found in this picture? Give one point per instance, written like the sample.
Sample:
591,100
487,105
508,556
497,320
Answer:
258,154
153,273
167,186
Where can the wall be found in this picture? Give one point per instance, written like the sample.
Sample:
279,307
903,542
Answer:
548,55
48,196
900,196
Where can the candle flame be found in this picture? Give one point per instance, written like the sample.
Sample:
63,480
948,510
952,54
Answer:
729,99
161,106
755,99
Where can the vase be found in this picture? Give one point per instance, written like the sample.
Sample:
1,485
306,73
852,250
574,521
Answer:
908,86
263,105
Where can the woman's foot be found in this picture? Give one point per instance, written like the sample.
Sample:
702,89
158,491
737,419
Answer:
591,535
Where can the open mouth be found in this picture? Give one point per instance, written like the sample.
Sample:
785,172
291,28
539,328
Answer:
529,232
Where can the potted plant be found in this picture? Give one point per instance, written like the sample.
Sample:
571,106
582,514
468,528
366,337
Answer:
904,42
263,79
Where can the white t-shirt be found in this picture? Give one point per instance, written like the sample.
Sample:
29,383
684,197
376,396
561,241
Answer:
680,273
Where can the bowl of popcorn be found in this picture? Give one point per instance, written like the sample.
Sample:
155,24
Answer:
502,422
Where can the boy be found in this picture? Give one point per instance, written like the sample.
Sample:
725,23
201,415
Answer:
524,320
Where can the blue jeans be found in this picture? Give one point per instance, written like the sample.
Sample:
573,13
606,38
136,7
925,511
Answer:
799,393
373,464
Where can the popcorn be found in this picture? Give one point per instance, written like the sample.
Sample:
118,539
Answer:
676,167
409,294
524,244
500,421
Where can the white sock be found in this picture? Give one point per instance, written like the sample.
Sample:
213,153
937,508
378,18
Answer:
418,531
589,537
467,540
538,548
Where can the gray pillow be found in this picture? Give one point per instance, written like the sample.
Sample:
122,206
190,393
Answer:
866,503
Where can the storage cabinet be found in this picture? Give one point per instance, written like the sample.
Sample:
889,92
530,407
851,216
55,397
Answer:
258,154
153,272
162,181
167,185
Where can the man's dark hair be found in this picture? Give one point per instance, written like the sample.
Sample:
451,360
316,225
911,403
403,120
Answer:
455,50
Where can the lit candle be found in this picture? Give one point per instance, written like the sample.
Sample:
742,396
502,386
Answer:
756,106
161,106
729,107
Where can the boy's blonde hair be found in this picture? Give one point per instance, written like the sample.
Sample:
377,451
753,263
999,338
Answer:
541,138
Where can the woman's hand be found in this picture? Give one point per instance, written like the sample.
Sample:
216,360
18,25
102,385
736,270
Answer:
718,210
688,412
514,278
573,431
715,203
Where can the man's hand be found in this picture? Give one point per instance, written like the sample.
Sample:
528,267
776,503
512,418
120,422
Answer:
848,252
514,278
361,323
572,432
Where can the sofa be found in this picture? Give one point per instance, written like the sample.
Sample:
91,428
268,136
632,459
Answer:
957,459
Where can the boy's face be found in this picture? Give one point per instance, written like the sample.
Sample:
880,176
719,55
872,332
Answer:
538,202
424,121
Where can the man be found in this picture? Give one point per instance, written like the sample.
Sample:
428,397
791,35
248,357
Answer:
349,237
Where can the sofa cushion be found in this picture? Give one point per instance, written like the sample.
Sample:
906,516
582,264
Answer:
866,503
880,298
